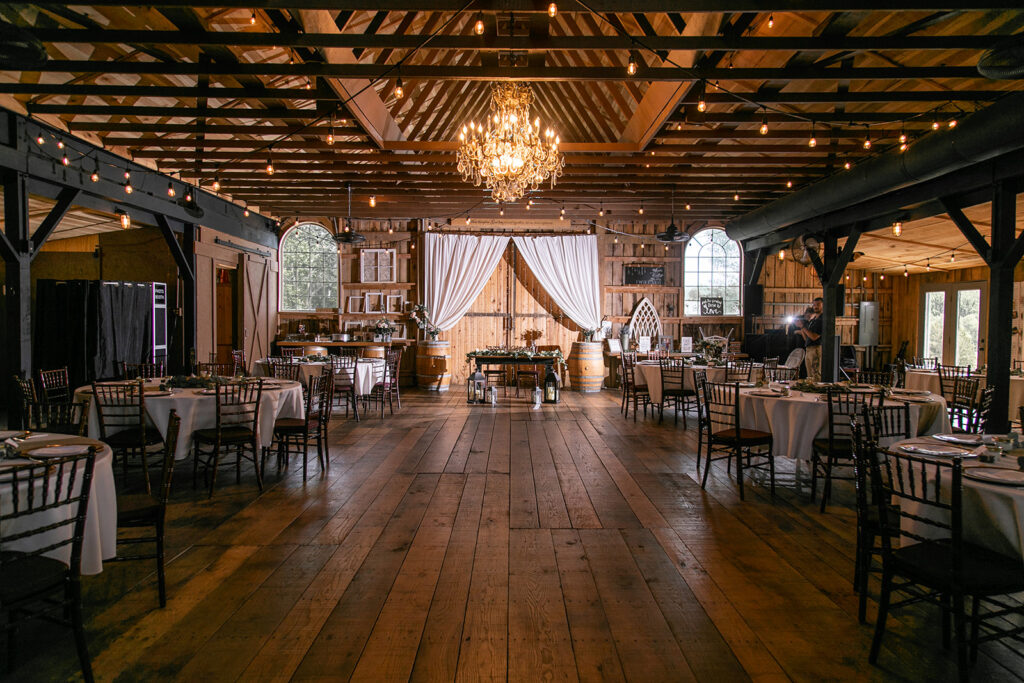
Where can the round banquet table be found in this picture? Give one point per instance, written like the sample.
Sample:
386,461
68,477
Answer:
198,410
649,373
100,539
368,371
928,380
795,421
993,514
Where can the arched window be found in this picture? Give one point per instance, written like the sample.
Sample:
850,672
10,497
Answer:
309,269
712,270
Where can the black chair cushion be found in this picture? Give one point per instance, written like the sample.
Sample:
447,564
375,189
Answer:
232,434
747,437
137,510
986,572
289,425
132,438
24,576
843,448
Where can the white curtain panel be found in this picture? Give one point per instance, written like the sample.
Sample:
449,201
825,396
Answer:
457,268
567,268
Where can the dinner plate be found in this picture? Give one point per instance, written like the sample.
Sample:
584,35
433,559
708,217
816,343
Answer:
207,392
56,450
911,392
913,399
747,385
940,450
767,394
995,475
966,439
165,392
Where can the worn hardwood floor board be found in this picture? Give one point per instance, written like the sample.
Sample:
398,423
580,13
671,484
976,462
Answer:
539,644
552,512
390,651
436,457
500,450
484,652
424,444
438,654
464,444
594,650
609,504
227,653
335,652
707,653
523,512
480,450
153,628
647,649
574,492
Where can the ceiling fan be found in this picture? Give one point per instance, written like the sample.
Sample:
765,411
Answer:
347,235
672,233
802,246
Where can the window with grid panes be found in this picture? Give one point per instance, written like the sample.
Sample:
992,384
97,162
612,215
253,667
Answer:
309,269
712,268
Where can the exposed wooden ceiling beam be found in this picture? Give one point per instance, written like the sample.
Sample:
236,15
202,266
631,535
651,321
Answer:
501,73
854,96
473,43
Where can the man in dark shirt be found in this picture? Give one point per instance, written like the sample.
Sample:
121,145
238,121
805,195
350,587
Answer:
810,330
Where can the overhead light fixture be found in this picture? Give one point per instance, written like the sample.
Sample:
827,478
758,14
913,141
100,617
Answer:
399,90
330,134
736,197
501,210
478,27
672,233
373,201
528,206
552,10
126,220
509,154
60,144
903,146
928,265
881,276
469,219
347,235
391,228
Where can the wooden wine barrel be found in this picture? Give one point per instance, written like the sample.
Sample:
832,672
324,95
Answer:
373,352
432,365
586,366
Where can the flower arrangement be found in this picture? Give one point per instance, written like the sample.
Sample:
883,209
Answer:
384,327
317,358
516,352
421,317
709,350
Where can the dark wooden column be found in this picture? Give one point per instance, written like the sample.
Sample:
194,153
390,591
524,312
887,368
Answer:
830,273
1005,256
14,243
185,257
753,264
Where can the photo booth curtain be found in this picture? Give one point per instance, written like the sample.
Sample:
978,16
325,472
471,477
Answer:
567,267
456,269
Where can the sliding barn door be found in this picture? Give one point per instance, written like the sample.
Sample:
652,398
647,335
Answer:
259,304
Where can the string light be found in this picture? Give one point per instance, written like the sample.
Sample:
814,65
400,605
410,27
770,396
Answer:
399,90
95,177
736,197
952,123
616,239
373,201
127,175
702,106
252,19
270,162
935,125
128,189
478,27
245,212
641,209
782,254
391,228
764,123
905,273
631,66
687,207
330,135
897,229
188,198
170,190
666,247
216,184
903,135
528,206
952,256
552,10
412,245
928,265
601,212
501,210
40,140
789,183
60,144
126,220
847,165
881,276
813,142
469,219
867,139
64,160
771,21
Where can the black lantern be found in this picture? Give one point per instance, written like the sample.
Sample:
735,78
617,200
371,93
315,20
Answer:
551,381
475,387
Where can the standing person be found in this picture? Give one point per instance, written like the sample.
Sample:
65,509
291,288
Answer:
810,330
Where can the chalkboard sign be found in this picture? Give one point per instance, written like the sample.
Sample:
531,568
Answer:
711,305
644,275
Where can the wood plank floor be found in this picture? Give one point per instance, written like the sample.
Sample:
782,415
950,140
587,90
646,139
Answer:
455,542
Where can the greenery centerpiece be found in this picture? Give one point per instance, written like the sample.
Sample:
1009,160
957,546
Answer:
317,358
809,387
193,382
709,351
421,317
384,328
517,352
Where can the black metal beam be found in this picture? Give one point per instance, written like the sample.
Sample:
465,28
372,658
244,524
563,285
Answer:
1000,302
189,305
17,356
967,228
502,73
855,96
186,269
612,6
913,119
80,90
64,201
174,111
398,41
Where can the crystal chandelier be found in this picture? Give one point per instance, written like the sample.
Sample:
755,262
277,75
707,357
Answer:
509,155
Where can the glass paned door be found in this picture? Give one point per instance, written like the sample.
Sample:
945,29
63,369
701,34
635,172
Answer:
953,319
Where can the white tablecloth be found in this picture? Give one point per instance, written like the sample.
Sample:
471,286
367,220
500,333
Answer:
796,421
649,374
199,411
100,539
929,381
368,372
993,514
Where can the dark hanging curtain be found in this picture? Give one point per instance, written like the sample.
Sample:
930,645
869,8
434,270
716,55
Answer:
91,326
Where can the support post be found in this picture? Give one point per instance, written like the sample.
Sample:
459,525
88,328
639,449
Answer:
829,285
1000,306
753,263
188,306
17,359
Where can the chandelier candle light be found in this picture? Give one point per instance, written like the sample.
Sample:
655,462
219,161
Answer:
509,155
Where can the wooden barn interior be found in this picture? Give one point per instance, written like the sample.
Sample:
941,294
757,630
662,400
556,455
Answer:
869,155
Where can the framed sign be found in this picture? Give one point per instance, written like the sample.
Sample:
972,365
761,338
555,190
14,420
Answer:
686,344
711,305
643,275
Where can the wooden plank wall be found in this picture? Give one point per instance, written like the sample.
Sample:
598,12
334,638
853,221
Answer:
789,288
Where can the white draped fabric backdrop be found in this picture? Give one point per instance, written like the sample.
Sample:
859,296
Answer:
458,266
